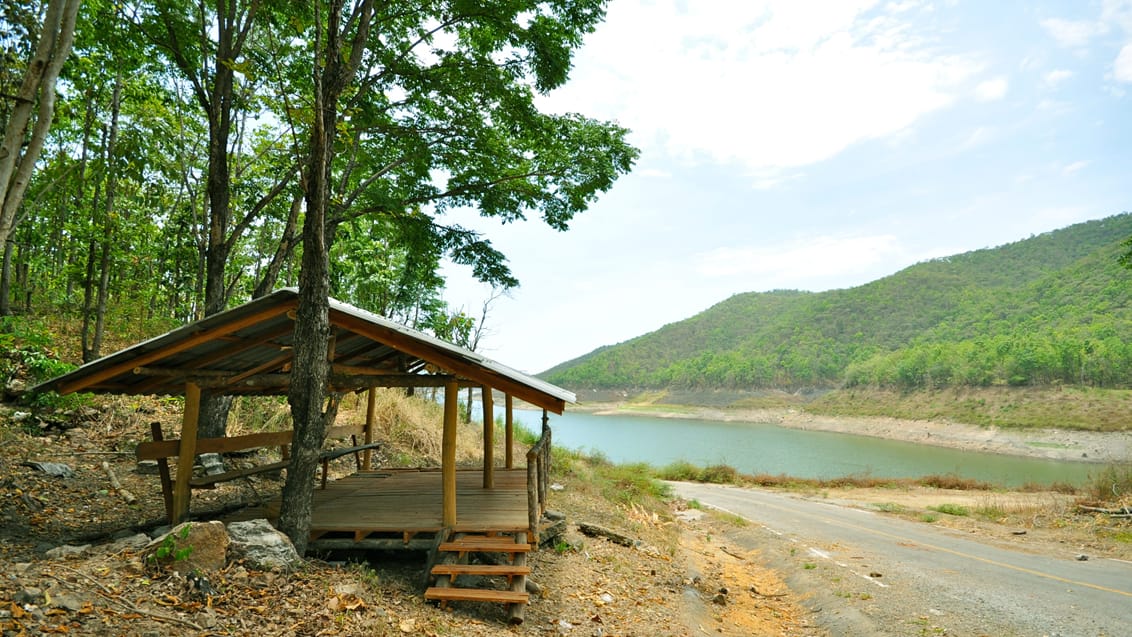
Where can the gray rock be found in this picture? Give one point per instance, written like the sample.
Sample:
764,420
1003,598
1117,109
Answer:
67,551
262,547
60,598
29,595
134,542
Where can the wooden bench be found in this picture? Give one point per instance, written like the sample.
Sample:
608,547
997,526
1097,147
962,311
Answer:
161,449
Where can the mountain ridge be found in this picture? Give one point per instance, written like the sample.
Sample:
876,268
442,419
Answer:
1054,307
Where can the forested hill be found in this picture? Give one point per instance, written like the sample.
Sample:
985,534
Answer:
1054,308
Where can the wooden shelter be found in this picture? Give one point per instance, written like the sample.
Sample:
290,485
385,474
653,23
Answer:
247,350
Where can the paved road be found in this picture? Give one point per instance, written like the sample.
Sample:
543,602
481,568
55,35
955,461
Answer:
874,574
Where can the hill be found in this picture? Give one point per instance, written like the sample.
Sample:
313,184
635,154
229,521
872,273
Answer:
1055,308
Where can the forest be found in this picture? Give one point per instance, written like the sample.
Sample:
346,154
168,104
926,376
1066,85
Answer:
165,160
173,179
1053,309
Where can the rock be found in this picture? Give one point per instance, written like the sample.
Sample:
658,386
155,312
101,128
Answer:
29,595
553,515
719,598
262,547
557,487
146,468
192,546
15,388
67,551
61,598
134,542
1082,558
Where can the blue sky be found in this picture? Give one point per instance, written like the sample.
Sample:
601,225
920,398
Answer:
813,145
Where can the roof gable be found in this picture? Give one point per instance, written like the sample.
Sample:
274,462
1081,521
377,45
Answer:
248,350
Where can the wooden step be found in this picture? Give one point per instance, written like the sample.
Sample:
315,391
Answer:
476,595
477,544
481,569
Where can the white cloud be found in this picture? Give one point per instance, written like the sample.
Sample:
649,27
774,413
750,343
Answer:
1073,168
1073,33
790,265
1122,66
1057,76
978,137
770,85
991,90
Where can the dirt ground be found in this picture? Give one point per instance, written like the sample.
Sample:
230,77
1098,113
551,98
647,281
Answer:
676,581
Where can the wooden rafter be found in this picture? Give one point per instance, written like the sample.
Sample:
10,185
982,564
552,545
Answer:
449,363
94,378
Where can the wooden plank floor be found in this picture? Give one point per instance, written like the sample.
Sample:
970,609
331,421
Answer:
409,502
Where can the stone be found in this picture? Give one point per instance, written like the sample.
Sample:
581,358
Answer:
61,598
262,547
191,547
134,542
29,595
67,551
146,468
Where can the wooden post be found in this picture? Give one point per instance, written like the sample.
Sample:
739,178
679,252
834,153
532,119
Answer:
488,438
448,453
544,468
371,416
186,453
509,432
163,471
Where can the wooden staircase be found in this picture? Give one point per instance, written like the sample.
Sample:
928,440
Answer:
452,561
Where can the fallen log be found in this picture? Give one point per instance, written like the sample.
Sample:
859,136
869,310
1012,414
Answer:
593,530
1123,512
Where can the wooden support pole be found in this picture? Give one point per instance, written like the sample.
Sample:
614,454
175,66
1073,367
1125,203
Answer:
488,438
186,454
448,454
371,416
509,432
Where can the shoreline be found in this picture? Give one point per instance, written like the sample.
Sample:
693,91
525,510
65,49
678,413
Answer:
1051,444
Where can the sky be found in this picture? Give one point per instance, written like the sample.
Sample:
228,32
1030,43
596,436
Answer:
812,145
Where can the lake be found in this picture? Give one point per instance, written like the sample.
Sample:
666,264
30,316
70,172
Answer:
767,448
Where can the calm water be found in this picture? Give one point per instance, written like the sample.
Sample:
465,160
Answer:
766,448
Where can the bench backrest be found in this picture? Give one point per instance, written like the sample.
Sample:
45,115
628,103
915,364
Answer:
157,449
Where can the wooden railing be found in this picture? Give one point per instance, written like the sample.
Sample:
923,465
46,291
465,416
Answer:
538,478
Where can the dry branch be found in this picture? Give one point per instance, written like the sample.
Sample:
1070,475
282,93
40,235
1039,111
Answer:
593,530
126,495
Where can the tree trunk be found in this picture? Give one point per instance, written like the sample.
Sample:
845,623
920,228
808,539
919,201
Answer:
308,391
6,281
108,221
16,160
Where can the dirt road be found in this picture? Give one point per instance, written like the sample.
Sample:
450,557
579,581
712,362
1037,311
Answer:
869,573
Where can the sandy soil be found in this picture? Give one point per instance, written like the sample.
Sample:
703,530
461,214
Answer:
1057,444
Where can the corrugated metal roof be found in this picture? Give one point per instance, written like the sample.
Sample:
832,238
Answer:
247,350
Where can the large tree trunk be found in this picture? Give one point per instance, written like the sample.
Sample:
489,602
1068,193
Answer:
38,89
308,392
312,333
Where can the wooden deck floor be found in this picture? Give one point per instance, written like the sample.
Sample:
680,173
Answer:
405,503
